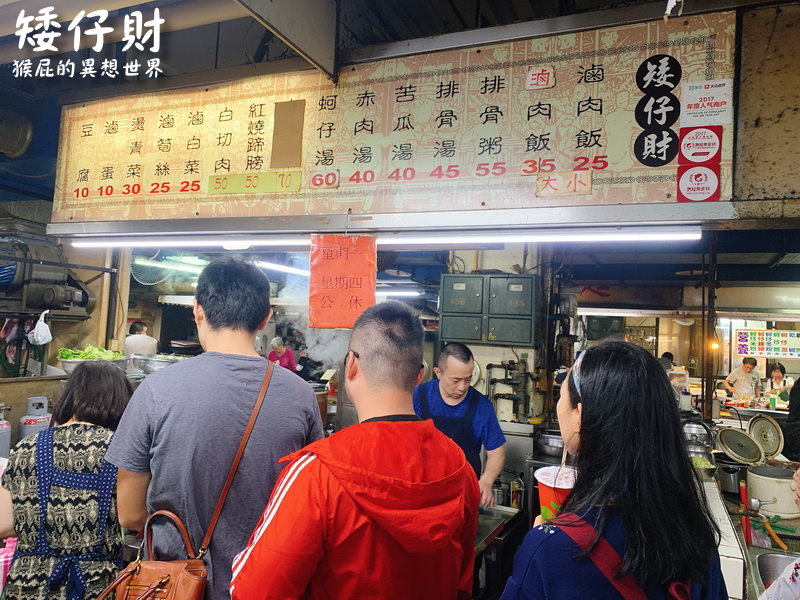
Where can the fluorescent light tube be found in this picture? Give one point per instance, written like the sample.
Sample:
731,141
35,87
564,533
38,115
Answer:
167,265
181,242
398,293
283,268
544,236
502,236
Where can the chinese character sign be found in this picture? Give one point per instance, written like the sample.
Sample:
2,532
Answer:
343,277
585,118
767,344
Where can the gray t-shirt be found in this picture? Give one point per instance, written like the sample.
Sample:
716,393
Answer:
184,424
744,384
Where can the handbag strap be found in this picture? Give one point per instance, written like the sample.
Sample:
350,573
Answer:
603,555
176,520
234,467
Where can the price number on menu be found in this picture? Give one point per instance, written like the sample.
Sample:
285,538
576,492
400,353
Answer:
322,180
272,182
535,166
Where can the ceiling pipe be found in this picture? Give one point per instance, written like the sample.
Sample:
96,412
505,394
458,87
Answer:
177,17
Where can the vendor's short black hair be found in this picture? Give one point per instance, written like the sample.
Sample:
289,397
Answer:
749,361
668,356
457,350
234,294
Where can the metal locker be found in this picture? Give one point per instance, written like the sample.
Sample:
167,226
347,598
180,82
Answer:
517,332
511,295
458,327
461,294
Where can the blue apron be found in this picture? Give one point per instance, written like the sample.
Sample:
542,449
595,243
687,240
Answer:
458,429
67,570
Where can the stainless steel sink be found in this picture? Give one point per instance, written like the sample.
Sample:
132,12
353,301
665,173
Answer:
771,565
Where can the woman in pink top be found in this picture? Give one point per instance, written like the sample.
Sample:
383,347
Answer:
281,355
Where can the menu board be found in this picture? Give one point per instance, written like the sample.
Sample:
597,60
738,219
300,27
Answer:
768,344
587,118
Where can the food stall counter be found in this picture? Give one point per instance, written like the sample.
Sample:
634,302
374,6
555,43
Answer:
492,520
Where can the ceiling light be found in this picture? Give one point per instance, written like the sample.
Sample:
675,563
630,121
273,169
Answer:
398,293
578,234
502,236
183,242
167,265
283,268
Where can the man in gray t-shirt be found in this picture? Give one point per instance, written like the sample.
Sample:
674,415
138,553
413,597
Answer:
179,434
744,381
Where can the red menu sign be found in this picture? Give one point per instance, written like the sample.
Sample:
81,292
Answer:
343,274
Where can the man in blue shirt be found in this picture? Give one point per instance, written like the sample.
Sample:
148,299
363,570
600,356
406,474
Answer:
463,414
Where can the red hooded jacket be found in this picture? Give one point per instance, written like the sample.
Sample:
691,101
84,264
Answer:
383,509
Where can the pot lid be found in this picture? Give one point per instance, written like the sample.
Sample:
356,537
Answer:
740,446
767,434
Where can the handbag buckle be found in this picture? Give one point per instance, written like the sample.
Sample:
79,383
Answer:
201,553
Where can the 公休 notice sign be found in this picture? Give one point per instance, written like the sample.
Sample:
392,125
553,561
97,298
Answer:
343,277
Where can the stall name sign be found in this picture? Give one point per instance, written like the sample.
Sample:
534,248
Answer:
343,278
768,344
44,31
585,118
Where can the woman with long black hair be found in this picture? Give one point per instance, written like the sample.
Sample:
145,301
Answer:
636,525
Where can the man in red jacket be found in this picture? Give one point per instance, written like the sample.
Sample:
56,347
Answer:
383,509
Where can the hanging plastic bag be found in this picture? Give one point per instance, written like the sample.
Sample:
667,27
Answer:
40,335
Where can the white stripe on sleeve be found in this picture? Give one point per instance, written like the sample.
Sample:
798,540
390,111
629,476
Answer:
270,511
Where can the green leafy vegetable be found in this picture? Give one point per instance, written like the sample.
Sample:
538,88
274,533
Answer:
701,462
88,353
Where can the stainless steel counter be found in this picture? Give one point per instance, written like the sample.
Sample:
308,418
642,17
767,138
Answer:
492,520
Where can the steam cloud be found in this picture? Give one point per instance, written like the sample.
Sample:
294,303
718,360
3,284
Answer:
327,346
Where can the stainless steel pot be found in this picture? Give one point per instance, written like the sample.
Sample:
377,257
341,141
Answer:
729,473
698,433
550,442
500,494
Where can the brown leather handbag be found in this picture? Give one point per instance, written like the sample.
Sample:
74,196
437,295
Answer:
179,579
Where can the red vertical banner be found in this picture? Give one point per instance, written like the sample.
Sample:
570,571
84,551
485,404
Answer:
342,284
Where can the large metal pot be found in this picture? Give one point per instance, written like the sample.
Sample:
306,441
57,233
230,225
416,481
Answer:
729,473
766,483
550,442
697,432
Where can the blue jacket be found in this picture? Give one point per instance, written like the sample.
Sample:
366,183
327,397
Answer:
545,568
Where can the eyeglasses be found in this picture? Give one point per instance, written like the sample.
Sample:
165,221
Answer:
356,354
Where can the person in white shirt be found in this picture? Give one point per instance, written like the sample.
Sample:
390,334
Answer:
744,381
778,380
138,342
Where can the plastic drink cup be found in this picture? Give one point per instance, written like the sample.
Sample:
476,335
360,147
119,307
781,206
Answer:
555,484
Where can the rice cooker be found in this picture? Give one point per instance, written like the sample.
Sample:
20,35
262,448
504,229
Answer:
762,441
